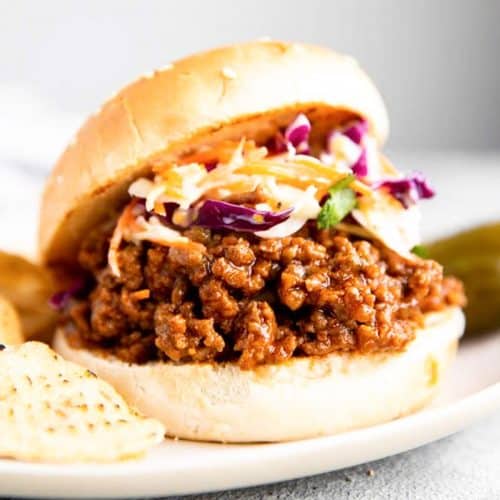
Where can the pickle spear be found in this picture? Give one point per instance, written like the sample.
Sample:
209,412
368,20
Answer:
474,257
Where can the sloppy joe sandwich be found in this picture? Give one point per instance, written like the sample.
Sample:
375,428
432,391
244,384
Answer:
239,258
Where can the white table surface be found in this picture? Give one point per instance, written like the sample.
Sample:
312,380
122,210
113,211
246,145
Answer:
464,466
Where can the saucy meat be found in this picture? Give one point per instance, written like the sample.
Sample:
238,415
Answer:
254,301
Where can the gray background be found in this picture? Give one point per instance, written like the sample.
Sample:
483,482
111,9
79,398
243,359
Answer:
436,62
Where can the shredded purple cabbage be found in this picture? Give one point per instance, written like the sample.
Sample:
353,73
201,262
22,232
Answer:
408,190
215,214
297,134
360,167
61,299
356,131
425,190
210,165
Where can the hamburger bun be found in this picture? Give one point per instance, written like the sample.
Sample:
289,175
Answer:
226,93
302,398
249,90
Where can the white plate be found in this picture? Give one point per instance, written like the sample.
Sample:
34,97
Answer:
471,391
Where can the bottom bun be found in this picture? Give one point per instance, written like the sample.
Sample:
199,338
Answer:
301,398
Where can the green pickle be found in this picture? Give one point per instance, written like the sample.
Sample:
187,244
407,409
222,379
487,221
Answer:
474,257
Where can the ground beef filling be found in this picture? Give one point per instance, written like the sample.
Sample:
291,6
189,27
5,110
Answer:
254,301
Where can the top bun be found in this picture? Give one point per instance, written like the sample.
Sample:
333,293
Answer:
248,89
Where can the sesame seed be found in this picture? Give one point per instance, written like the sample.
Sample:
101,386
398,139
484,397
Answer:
295,47
166,67
350,60
228,73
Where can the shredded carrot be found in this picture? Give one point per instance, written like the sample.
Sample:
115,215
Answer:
387,166
295,175
172,177
289,169
181,243
114,244
160,209
140,294
126,221
223,152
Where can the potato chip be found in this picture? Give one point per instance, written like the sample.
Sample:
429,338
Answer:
28,286
10,325
53,410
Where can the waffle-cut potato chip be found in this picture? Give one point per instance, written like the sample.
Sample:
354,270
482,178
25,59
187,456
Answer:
56,411
28,286
10,325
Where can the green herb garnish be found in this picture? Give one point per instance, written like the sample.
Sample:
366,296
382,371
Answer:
341,200
420,251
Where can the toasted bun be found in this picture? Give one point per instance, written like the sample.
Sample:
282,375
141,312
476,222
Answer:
10,325
305,397
243,90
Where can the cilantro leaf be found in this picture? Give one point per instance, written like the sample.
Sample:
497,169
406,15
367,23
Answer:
341,200
420,251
